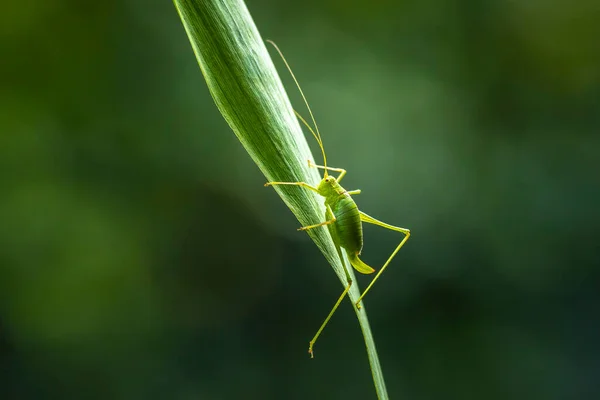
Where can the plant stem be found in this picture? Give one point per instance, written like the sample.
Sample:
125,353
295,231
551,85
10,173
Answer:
247,90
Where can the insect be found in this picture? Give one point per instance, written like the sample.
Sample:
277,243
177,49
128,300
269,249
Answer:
342,216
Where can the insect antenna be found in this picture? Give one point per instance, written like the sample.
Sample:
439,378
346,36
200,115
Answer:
318,134
307,125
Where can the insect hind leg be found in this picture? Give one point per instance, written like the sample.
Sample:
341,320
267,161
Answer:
368,219
333,310
335,238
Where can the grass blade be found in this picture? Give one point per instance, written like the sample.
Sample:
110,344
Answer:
248,92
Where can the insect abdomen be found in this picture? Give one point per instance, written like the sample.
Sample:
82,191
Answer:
348,225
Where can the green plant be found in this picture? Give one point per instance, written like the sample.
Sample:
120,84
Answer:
247,90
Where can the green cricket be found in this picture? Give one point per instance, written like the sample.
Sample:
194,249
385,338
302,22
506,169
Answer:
342,216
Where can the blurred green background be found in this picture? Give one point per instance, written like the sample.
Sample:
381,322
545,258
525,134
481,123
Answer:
142,258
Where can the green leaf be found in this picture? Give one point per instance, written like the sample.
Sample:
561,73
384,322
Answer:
247,90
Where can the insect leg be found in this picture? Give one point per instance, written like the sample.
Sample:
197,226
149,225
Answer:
340,170
305,228
353,192
303,184
366,218
344,293
330,220
337,304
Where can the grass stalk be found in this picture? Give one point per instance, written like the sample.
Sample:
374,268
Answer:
249,94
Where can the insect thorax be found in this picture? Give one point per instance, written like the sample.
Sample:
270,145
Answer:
330,189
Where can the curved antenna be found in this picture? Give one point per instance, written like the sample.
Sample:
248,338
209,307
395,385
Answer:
318,135
307,125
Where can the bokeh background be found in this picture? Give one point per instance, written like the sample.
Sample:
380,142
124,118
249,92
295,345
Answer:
142,258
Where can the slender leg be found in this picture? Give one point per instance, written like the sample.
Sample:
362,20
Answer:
305,228
340,170
330,220
337,304
306,185
366,218
353,192
303,184
344,293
